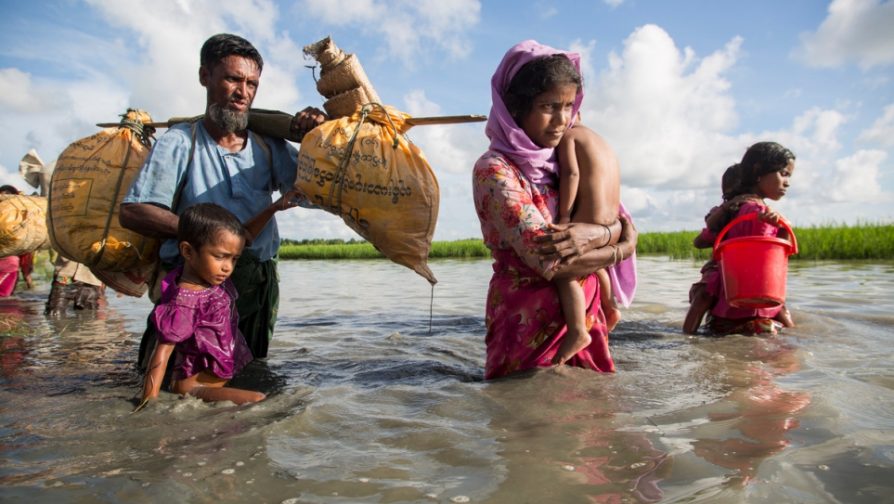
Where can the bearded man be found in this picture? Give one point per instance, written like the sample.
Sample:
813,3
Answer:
218,160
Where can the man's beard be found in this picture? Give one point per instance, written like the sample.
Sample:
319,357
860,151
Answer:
226,119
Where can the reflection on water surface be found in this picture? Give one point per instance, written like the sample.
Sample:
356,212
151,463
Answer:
368,405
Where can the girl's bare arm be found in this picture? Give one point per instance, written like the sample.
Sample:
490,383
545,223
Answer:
155,373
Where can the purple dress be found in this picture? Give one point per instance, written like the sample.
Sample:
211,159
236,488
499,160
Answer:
204,327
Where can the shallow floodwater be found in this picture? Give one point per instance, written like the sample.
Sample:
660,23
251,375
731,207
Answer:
373,400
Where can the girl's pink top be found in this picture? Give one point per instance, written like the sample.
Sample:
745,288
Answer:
204,327
754,227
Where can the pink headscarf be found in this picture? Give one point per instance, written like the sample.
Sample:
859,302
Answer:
538,164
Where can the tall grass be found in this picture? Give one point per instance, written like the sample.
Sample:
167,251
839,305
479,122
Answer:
861,241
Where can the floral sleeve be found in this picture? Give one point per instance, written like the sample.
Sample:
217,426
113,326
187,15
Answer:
512,211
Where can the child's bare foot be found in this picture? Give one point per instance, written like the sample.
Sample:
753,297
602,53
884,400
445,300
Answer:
612,317
574,341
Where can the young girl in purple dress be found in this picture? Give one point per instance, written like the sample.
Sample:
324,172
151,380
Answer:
196,317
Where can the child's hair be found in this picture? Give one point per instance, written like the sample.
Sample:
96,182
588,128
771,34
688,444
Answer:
763,158
200,224
536,77
8,189
730,183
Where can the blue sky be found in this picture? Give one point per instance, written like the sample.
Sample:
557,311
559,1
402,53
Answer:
679,89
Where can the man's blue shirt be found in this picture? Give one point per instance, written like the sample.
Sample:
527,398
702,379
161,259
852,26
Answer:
242,182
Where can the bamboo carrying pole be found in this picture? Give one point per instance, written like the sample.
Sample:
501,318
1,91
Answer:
278,124
413,121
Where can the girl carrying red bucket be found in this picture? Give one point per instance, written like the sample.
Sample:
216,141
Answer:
752,251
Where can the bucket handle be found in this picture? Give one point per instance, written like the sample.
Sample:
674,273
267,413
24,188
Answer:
753,216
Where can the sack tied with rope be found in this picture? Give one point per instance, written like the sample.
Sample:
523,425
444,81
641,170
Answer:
90,180
23,224
363,169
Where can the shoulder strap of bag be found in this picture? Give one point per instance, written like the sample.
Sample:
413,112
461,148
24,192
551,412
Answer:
259,141
175,202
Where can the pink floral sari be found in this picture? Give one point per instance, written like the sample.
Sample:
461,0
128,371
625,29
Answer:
525,325
9,274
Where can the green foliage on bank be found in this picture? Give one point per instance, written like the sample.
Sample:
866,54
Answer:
353,249
841,242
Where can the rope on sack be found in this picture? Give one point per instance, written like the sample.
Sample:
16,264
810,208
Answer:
334,201
144,133
338,181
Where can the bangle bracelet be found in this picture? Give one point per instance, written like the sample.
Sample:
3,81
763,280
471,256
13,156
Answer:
608,231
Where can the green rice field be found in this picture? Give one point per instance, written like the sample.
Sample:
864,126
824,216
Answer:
860,241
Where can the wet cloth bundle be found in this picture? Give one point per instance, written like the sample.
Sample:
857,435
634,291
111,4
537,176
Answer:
363,169
23,224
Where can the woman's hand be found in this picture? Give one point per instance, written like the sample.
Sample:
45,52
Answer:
568,242
563,242
771,217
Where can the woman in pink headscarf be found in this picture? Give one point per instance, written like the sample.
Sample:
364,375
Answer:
536,94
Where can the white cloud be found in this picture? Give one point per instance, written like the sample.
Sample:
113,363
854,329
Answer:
821,127
168,37
882,130
671,118
664,110
613,3
408,27
854,31
451,151
448,148
152,64
19,94
856,177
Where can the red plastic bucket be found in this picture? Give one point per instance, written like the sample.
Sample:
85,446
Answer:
754,268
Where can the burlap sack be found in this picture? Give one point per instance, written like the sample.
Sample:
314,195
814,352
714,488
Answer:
347,103
133,282
342,79
345,76
90,180
364,170
23,224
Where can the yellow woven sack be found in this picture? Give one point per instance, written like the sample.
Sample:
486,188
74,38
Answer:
364,170
23,224
90,180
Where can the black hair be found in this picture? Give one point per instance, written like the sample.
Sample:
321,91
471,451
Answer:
731,182
8,189
535,78
200,224
763,158
222,45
